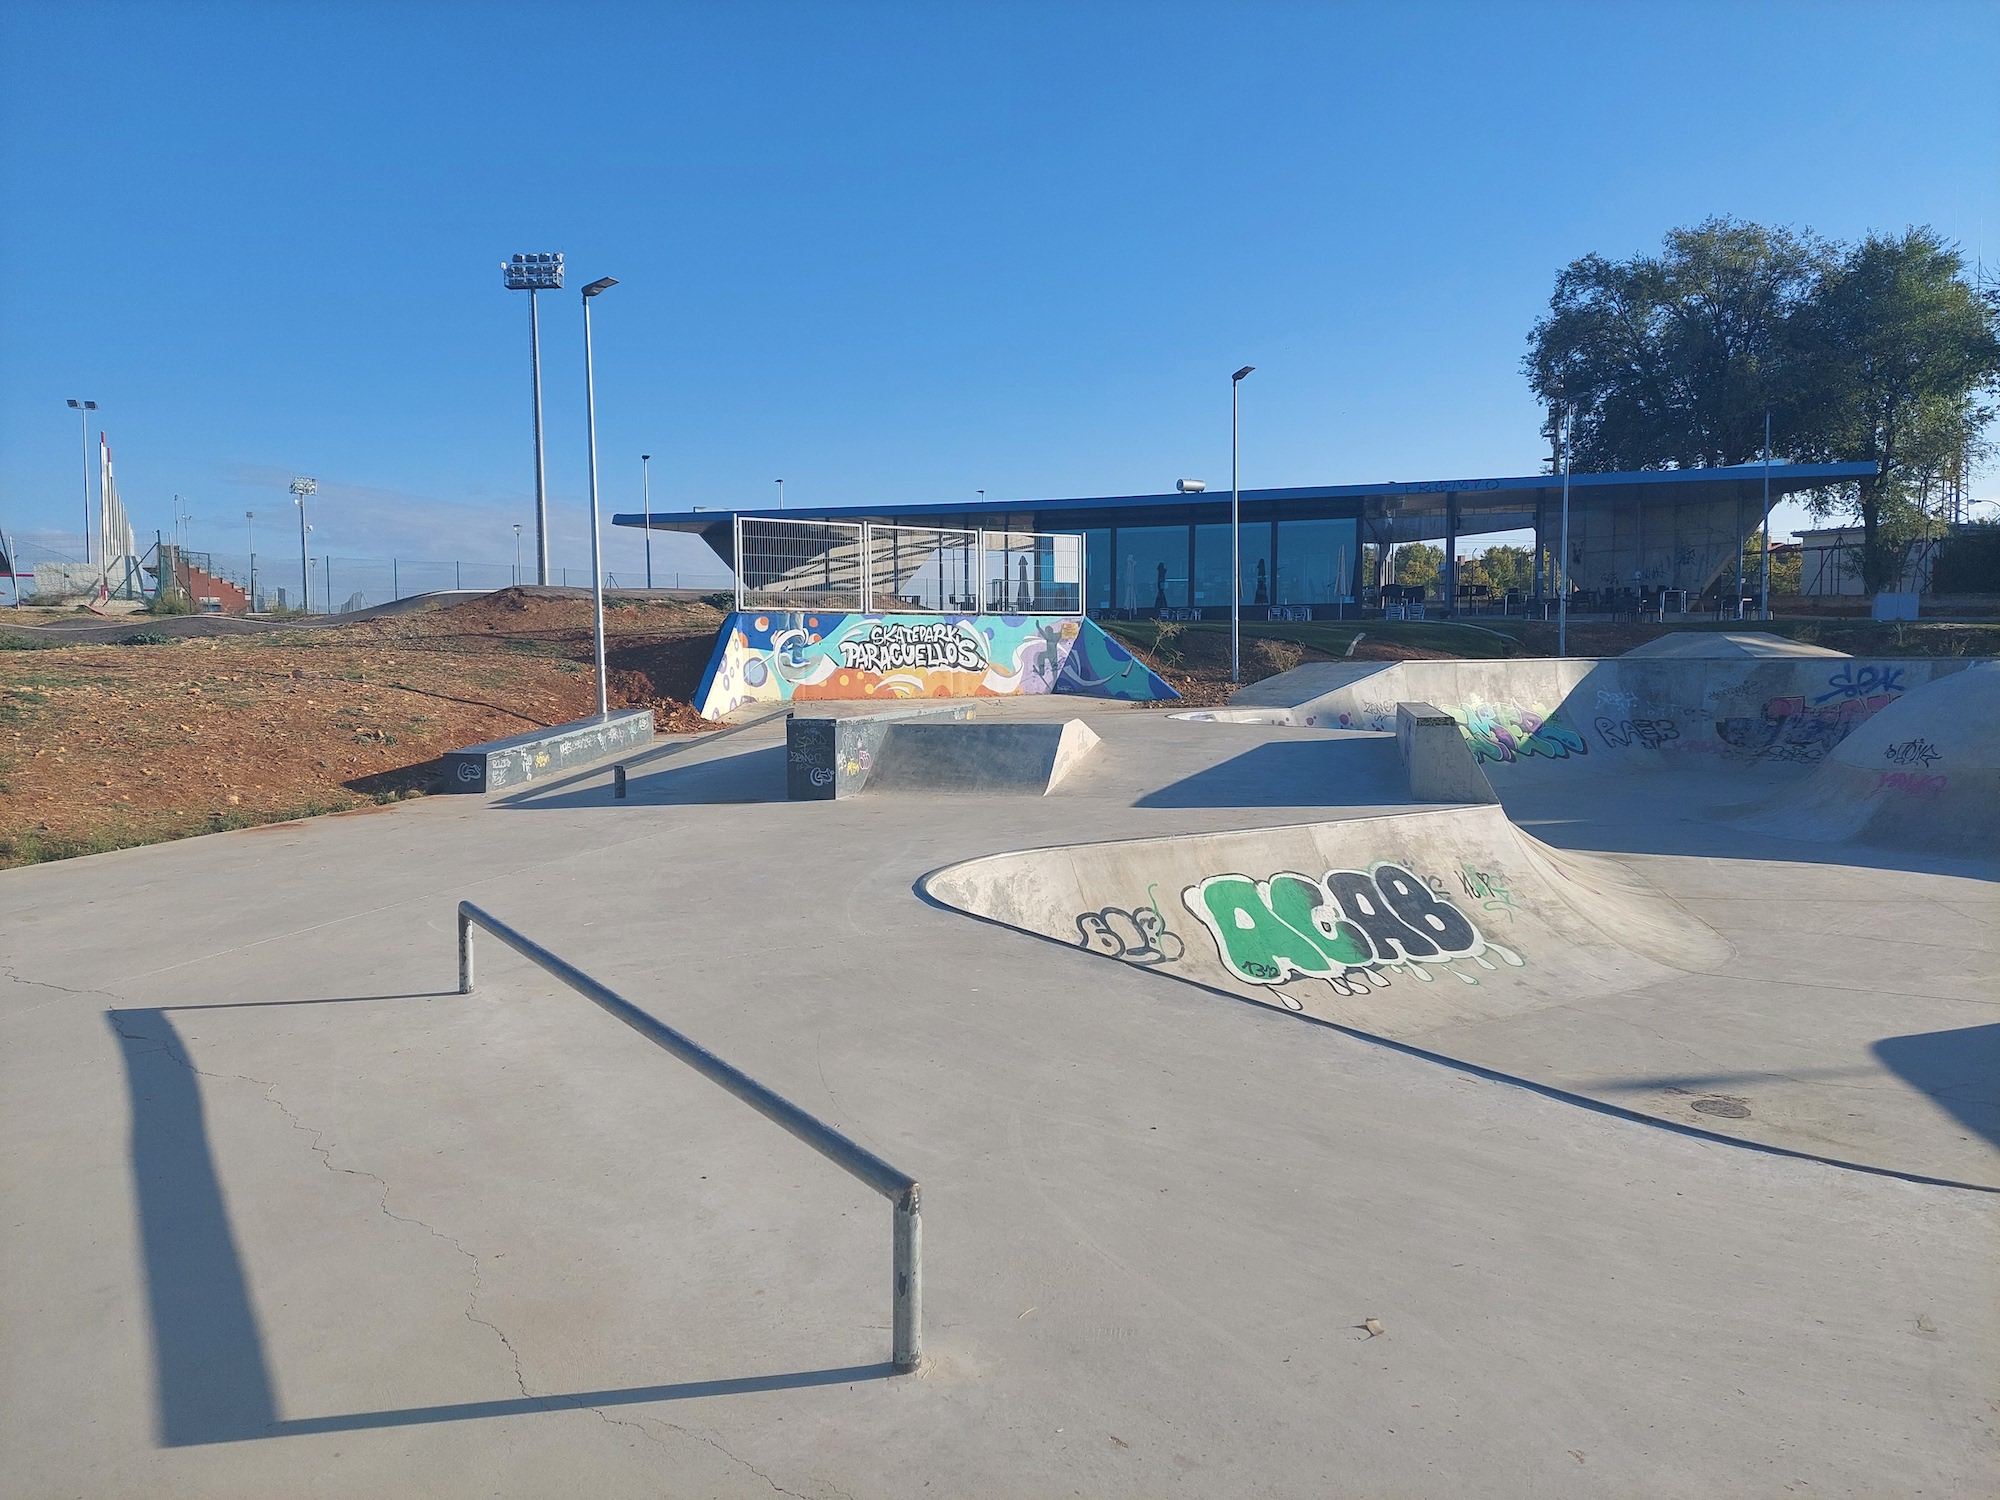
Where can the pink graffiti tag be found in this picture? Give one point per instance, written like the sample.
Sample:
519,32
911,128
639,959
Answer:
1915,783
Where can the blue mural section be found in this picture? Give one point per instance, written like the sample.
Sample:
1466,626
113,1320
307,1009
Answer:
767,656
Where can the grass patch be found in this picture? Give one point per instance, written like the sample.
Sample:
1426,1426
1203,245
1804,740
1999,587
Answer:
27,643
34,846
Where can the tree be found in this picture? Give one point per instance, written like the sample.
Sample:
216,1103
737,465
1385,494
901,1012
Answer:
1890,361
1672,361
1418,563
1508,567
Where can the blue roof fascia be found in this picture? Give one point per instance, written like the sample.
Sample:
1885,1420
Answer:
1789,477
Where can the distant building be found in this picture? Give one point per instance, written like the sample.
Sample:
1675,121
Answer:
1321,549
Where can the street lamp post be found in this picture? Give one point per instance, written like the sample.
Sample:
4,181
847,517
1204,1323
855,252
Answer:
517,554
1562,599
81,408
596,562
250,527
532,274
300,489
1764,584
646,484
781,493
1235,534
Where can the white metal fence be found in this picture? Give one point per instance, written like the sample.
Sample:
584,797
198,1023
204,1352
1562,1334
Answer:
862,567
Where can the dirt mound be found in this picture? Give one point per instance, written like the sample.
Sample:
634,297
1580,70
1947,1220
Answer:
106,745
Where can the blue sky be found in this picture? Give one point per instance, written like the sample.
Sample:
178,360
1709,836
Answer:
887,252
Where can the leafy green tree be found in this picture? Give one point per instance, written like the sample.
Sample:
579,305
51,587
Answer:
1893,360
1508,567
1672,360
1418,563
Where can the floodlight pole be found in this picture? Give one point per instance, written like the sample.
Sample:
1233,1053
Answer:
646,482
300,489
596,560
541,469
1562,598
1764,585
1235,533
83,410
531,274
250,528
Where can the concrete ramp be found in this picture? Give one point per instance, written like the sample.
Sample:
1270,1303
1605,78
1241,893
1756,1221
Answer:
1545,718
1924,773
1394,925
1727,645
985,759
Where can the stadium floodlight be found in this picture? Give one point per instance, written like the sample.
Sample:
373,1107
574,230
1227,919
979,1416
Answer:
300,489
531,274
83,426
596,526
1235,536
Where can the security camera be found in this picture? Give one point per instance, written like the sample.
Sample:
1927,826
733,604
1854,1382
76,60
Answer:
1191,486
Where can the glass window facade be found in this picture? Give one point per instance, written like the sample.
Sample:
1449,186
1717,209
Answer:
1315,562
1211,564
1152,568
1097,569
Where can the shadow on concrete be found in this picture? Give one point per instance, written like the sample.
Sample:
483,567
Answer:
210,1383
167,1010
1959,1070
1293,773
211,1380
749,776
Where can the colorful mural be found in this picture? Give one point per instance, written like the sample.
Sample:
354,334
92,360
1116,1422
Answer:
1509,731
774,657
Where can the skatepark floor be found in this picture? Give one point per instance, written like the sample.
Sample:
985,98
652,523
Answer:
290,1215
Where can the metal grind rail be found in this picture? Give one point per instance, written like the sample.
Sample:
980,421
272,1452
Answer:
907,1234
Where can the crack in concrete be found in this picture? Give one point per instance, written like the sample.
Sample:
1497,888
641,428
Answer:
325,1155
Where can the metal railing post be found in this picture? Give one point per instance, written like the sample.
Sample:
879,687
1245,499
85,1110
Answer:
907,1305
464,953
901,1189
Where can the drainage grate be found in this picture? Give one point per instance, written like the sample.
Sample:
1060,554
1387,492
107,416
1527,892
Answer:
1726,1108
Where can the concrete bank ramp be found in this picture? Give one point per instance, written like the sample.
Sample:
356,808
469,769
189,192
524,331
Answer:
1545,718
985,759
1727,645
1924,773
1394,924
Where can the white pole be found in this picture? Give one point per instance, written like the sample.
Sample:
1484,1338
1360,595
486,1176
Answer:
83,433
596,561
1764,589
541,472
646,479
1235,542
1235,533
305,561
1562,599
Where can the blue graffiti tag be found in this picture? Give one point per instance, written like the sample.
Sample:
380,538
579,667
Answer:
1848,683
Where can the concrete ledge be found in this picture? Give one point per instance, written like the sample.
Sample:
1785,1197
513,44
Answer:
834,756
1440,765
522,758
989,759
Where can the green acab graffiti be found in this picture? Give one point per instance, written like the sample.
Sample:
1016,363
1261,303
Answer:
1351,928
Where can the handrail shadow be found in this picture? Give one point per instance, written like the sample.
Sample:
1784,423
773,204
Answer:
212,1378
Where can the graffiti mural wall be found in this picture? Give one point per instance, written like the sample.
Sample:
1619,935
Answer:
1351,928
771,657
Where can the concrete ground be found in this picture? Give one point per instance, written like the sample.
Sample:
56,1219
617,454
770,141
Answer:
286,1215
